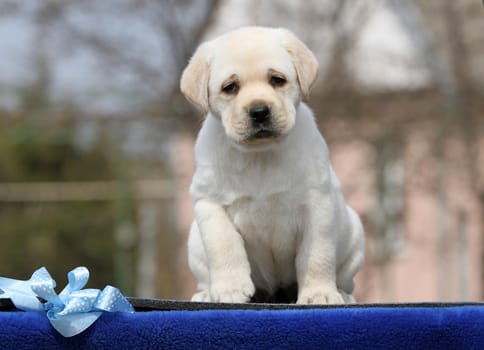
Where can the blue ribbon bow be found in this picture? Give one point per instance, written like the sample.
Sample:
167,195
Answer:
71,311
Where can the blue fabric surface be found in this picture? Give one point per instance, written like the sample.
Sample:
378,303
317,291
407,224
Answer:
385,327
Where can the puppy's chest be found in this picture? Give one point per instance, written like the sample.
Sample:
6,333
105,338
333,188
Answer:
272,220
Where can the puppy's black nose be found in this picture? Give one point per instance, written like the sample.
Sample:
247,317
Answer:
260,114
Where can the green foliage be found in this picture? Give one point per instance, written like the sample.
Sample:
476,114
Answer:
45,152
59,236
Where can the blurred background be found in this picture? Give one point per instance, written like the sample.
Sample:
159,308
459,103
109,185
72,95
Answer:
96,140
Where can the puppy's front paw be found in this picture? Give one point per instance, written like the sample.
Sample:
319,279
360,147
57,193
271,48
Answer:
320,296
202,296
232,290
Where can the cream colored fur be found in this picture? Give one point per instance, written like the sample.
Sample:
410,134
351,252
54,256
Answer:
269,212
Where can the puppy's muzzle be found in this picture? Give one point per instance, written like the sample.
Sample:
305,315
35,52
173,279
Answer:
261,120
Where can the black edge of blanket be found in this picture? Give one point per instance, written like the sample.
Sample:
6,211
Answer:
150,304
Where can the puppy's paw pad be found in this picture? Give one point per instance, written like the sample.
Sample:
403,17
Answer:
320,297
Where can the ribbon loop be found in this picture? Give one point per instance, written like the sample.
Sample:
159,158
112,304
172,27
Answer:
71,311
43,286
111,299
77,279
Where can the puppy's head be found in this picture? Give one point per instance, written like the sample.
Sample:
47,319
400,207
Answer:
252,79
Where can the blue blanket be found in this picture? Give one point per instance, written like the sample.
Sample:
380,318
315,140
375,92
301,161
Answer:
192,326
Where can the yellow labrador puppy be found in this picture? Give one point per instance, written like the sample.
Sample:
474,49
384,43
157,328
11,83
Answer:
269,211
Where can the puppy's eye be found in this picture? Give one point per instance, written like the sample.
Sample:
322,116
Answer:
231,88
277,81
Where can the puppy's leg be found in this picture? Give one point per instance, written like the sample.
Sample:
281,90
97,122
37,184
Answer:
316,255
348,298
227,261
348,269
197,260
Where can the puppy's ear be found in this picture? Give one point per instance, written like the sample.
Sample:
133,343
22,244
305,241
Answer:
194,80
304,61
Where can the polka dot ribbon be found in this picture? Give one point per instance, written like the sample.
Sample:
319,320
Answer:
71,311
